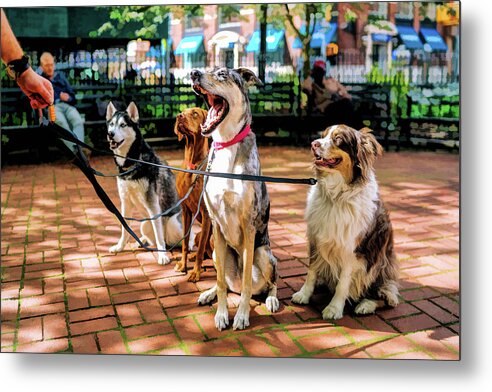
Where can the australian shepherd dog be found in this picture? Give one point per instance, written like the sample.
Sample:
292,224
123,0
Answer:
349,231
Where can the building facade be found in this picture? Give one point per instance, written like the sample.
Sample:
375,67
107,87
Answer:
366,35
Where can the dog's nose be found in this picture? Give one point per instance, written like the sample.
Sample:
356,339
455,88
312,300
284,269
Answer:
195,74
316,144
111,134
180,116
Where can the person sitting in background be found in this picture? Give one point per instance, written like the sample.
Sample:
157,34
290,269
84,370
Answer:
67,116
328,96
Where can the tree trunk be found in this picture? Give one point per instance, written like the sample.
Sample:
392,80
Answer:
263,34
306,65
310,12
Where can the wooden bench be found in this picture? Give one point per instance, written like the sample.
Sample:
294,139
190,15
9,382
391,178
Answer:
276,109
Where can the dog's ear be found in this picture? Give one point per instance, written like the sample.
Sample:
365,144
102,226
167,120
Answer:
110,111
132,111
249,76
368,137
368,150
178,134
325,132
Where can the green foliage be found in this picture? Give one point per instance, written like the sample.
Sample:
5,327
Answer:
374,19
5,140
376,76
147,18
310,13
350,15
149,128
229,11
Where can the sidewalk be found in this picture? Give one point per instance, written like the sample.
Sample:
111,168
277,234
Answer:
63,292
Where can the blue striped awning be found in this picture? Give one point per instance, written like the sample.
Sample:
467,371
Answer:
433,38
273,39
189,44
376,37
409,37
317,39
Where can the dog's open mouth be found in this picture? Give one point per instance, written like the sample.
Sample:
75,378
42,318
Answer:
330,162
217,109
113,144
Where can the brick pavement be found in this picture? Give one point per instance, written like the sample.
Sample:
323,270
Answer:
63,292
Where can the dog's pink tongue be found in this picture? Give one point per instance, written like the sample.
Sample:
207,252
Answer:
331,161
212,113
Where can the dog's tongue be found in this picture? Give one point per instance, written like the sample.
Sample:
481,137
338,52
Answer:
331,161
211,117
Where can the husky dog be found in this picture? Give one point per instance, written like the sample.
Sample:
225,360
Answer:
239,210
349,230
150,189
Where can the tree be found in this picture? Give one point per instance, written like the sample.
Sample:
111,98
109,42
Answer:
278,15
147,18
311,14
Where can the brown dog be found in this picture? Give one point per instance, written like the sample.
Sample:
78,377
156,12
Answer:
196,151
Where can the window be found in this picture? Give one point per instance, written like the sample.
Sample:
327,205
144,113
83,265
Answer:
404,10
428,11
229,15
193,23
195,60
379,9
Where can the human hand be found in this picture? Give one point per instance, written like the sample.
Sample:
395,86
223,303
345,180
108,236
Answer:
64,97
38,89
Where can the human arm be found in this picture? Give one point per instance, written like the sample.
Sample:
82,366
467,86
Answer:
38,89
334,87
307,85
67,95
342,91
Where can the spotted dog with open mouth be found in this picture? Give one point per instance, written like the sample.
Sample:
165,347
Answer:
239,210
349,230
149,189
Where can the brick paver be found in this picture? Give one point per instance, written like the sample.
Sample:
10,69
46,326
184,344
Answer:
63,292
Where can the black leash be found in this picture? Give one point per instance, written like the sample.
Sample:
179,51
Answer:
83,164
168,212
62,134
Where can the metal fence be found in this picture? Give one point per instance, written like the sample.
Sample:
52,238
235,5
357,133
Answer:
436,68
112,65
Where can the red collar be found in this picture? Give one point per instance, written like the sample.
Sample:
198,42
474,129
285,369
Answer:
189,165
240,136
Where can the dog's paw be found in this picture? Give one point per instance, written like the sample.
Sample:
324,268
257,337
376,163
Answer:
164,258
207,296
391,298
180,266
116,248
332,312
194,275
272,304
241,320
300,298
221,320
389,292
366,306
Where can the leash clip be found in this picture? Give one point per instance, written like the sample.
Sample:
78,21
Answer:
51,115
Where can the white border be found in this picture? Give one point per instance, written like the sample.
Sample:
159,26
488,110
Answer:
138,373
